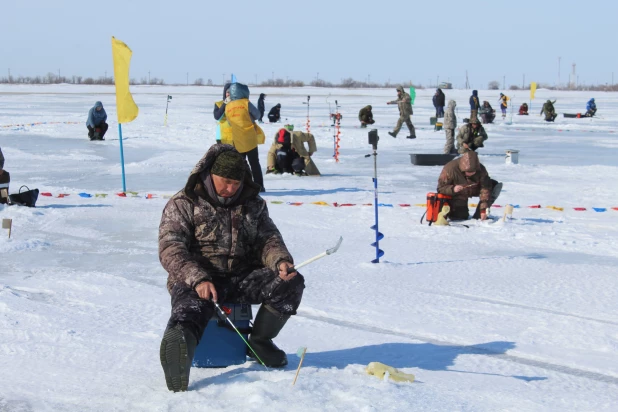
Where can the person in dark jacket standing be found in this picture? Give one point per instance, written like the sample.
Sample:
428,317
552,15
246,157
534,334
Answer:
96,122
5,179
218,243
275,113
439,101
474,104
261,107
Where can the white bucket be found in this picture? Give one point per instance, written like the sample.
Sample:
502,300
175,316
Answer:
512,156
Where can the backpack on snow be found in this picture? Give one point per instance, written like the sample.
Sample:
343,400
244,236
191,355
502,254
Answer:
435,201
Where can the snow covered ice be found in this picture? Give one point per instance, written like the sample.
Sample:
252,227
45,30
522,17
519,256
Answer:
520,315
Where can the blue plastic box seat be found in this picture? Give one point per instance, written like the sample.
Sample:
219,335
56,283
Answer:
220,345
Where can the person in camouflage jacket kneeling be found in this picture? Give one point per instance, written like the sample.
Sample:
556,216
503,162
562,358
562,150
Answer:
218,243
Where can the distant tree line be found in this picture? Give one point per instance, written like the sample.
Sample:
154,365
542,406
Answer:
53,78
495,85
348,83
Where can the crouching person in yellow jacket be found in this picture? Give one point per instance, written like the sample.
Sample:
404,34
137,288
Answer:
241,115
289,154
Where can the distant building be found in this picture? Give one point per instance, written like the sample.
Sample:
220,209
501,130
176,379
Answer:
445,85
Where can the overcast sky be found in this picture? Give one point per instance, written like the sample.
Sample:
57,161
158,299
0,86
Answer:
398,40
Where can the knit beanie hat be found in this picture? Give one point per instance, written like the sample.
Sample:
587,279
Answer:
230,165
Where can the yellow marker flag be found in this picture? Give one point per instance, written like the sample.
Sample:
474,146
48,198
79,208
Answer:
532,90
125,106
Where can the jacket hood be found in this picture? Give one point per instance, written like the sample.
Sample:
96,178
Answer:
225,89
400,89
469,162
475,93
278,105
592,100
239,91
205,164
548,101
98,104
368,107
452,104
262,95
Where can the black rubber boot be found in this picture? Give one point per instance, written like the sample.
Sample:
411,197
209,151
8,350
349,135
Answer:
392,134
177,349
266,327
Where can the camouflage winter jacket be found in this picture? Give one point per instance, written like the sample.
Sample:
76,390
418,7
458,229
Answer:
474,138
478,184
404,103
202,240
450,120
548,108
365,114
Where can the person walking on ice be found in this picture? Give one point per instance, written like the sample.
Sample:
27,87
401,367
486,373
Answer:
404,102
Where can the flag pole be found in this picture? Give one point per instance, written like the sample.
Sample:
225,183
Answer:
124,186
126,109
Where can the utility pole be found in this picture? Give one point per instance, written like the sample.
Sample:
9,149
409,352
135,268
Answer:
559,72
437,81
523,82
148,76
503,82
256,79
467,82
273,76
187,78
369,78
11,81
612,77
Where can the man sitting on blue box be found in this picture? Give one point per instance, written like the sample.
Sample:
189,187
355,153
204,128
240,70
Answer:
217,243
